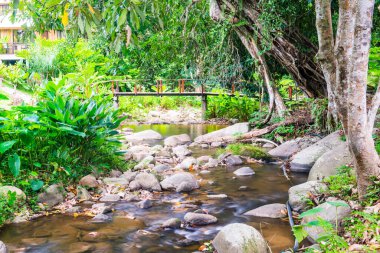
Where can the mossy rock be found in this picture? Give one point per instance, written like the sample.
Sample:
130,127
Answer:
248,150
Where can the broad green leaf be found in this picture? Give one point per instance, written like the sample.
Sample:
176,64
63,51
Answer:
14,164
5,146
311,212
299,232
3,97
36,184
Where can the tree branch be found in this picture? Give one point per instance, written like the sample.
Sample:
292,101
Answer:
374,107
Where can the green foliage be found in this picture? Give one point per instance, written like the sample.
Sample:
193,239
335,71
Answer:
231,107
14,75
8,207
137,106
329,240
362,227
342,183
374,67
247,150
70,133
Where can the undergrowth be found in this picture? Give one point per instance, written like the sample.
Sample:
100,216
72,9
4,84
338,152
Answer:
247,150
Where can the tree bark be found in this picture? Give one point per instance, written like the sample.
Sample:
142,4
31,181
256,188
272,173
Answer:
275,99
306,73
345,68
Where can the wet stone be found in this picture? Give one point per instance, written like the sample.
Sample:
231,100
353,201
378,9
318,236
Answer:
172,223
100,218
34,241
81,247
110,198
200,219
244,171
145,204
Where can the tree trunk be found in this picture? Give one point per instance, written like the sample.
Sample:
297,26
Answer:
306,73
275,99
345,67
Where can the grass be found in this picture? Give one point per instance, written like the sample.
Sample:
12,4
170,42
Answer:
247,150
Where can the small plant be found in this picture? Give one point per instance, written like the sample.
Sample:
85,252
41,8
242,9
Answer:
247,150
342,183
8,207
329,240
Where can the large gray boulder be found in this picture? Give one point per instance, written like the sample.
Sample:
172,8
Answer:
177,140
327,164
239,128
89,181
233,160
180,182
239,238
146,181
330,213
276,210
20,195
299,194
305,159
146,135
289,148
53,195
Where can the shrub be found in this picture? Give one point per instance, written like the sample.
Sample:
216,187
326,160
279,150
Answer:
68,134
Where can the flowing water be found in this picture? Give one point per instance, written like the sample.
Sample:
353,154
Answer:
60,233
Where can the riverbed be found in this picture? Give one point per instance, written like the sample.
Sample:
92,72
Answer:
137,230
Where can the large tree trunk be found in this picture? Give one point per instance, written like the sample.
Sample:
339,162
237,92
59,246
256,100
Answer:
305,72
275,99
345,67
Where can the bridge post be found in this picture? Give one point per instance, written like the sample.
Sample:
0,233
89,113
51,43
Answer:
204,106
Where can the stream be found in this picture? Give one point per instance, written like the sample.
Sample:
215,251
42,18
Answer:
63,233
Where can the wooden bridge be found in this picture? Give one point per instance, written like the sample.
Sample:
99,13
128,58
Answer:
167,87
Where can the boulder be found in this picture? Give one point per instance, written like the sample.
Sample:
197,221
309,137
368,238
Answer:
116,181
20,195
115,173
187,163
239,238
161,168
146,135
177,140
233,160
269,211
110,198
171,223
129,175
100,218
244,171
83,194
216,144
53,195
101,208
3,248
203,159
145,204
305,159
179,182
147,181
330,213
212,163
144,163
181,151
289,148
200,219
89,181
240,128
299,194
327,164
